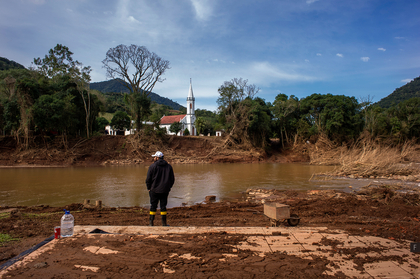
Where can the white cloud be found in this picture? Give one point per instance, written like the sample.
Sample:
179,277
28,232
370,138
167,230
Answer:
365,59
203,9
266,73
399,38
318,54
406,80
382,49
306,60
339,55
310,1
132,19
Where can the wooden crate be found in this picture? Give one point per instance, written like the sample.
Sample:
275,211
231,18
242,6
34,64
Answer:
277,211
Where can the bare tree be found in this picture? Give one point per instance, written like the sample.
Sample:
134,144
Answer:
370,118
139,69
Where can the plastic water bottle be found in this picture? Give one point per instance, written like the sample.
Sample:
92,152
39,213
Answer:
67,224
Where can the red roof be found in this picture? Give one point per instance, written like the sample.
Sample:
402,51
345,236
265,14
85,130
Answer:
171,119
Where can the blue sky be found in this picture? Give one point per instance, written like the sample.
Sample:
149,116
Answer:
360,48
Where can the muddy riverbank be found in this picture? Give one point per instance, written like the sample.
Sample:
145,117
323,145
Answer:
122,150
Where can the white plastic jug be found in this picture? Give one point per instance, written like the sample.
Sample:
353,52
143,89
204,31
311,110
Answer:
67,224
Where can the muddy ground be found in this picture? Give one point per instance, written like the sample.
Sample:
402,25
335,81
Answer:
377,210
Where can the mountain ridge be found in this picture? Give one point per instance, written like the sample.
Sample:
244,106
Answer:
116,86
6,64
403,93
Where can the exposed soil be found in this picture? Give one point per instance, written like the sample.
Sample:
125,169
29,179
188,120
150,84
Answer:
377,211
135,149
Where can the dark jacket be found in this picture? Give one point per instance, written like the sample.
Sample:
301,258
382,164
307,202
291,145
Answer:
160,177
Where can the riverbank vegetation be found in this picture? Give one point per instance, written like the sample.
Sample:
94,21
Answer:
368,158
53,99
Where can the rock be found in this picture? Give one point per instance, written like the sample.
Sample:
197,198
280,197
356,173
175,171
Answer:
210,199
41,265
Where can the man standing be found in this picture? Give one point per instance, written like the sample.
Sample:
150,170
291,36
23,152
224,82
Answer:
159,181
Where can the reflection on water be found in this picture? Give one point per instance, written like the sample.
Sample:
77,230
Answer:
125,186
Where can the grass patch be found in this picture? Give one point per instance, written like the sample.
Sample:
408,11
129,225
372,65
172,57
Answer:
4,215
4,238
108,116
37,215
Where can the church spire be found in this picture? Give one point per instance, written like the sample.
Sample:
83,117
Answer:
190,117
190,93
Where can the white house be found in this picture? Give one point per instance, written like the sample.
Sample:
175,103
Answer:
125,132
187,120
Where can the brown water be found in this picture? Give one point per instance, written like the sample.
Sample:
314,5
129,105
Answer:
125,186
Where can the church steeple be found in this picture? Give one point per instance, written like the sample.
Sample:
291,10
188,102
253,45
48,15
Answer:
190,101
190,117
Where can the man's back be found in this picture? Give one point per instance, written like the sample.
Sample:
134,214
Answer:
160,177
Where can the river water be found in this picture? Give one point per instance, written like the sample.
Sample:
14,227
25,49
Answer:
119,186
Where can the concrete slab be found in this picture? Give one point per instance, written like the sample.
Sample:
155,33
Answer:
288,245
412,266
341,265
343,240
157,230
386,269
378,241
390,259
255,243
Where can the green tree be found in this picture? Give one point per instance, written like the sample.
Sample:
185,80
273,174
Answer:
100,124
259,129
210,120
121,120
233,111
11,115
1,119
139,105
286,113
53,113
59,62
376,121
158,111
336,116
405,119
23,87
175,127
15,99
139,70
199,124
186,132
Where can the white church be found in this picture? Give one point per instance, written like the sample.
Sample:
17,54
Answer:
187,120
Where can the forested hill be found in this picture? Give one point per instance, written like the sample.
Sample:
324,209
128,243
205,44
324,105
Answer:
6,64
115,86
405,92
